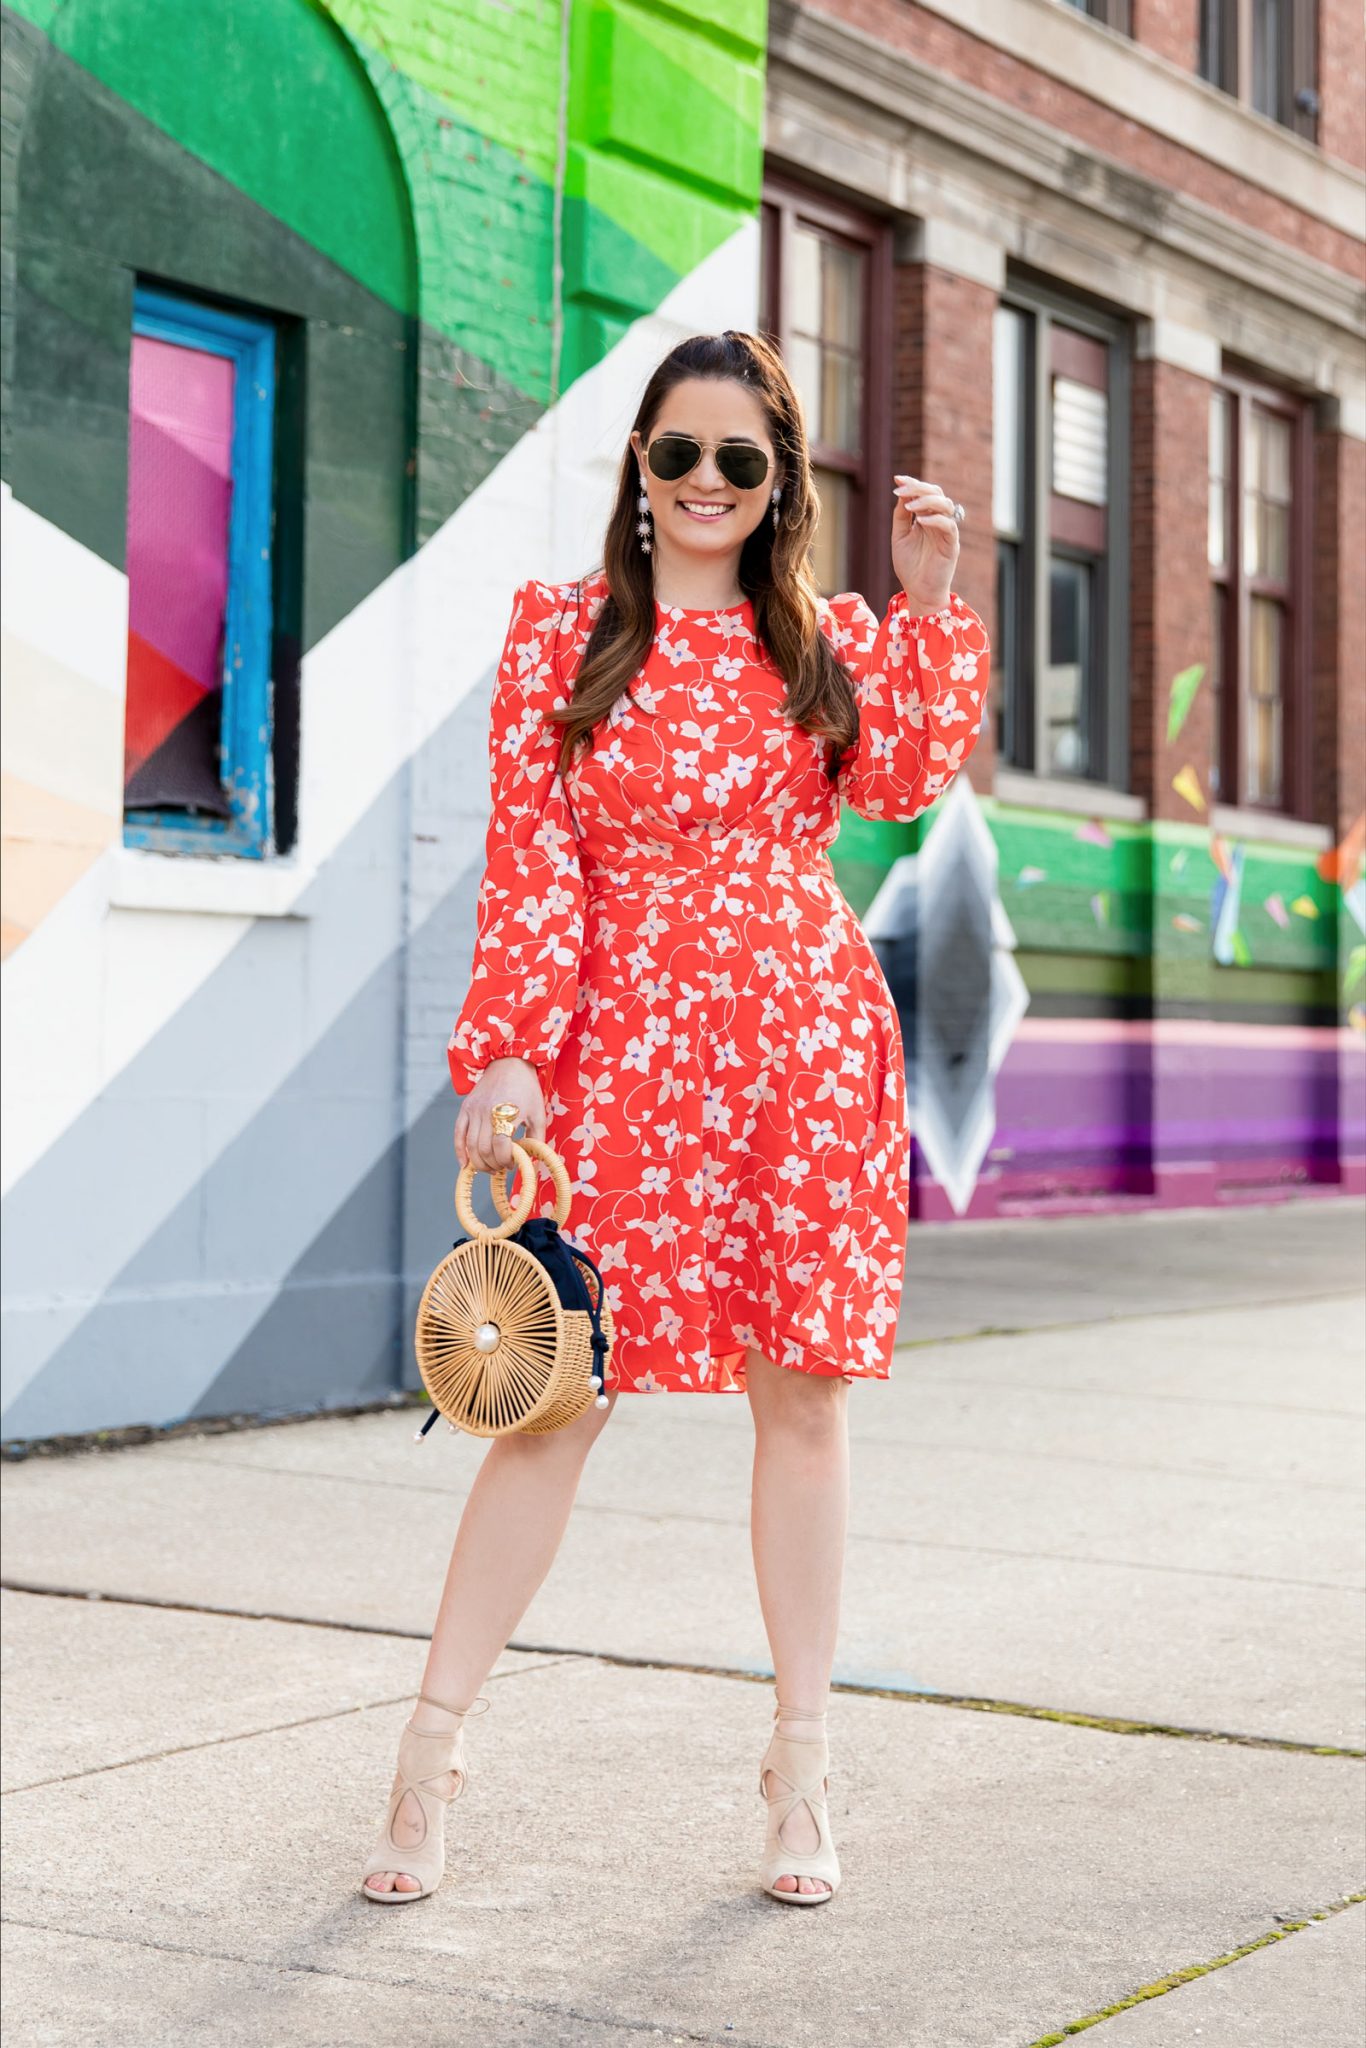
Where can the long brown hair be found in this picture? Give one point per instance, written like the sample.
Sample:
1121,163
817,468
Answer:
775,564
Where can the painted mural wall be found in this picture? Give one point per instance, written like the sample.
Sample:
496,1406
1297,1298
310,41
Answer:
1193,1028
227,1135
227,1161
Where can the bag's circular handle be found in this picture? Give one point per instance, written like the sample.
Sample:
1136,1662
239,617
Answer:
554,1165
514,1217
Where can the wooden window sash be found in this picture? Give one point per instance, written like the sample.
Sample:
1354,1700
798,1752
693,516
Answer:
786,205
1113,14
1292,594
1226,58
1015,704
245,737
1303,113
1069,337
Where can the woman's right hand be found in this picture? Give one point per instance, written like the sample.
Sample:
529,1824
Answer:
506,1080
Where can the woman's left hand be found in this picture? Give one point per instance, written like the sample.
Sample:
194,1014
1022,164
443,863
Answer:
924,542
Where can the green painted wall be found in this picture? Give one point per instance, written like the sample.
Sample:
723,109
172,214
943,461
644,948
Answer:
330,182
1123,912
488,136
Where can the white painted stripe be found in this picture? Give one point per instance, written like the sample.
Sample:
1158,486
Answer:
62,598
59,731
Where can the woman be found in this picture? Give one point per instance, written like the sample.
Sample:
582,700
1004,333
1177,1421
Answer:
669,983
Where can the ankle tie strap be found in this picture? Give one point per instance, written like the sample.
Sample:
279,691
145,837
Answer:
477,1706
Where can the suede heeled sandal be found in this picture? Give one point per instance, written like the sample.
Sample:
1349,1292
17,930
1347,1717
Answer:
798,1765
424,1758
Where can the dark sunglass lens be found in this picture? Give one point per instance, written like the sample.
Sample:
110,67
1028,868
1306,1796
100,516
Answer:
672,456
742,466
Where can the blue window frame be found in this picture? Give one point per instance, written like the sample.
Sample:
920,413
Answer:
232,813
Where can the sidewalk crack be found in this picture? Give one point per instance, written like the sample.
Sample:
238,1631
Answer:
156,1756
552,1653
1191,1972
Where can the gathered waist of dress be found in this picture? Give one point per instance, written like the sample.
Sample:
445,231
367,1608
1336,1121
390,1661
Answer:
650,864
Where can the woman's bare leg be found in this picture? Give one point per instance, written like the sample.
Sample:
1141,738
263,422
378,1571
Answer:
506,1543
798,1520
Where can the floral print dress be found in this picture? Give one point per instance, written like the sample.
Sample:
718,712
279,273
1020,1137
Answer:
660,931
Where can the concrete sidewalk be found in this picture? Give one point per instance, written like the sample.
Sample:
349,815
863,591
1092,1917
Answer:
1102,1718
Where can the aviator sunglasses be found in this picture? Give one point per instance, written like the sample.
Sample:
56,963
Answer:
672,456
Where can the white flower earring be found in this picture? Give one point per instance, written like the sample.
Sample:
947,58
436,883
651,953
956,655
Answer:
643,522
777,500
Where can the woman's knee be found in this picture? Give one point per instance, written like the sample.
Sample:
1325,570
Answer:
808,1404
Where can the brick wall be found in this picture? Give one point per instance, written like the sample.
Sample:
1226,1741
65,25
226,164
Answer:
1342,81
941,421
1169,27
1170,580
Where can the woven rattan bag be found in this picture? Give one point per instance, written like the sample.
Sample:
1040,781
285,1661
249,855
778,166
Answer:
514,1331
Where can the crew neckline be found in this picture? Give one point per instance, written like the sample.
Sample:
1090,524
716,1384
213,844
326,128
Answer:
703,611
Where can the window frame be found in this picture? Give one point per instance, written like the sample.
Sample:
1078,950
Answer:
1225,58
786,205
246,728
1111,14
1015,590
1243,388
1043,307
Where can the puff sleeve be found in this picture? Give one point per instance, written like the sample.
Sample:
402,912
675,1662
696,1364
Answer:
529,920
920,682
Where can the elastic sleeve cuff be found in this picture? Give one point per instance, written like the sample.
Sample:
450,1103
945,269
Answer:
465,1071
902,603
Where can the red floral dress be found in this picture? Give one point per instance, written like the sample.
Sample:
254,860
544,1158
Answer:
660,931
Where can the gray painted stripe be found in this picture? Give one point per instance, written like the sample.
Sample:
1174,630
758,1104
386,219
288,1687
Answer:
125,1305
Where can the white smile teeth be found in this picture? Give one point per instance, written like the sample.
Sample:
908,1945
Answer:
705,511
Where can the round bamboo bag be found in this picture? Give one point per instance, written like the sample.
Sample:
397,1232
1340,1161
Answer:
498,1348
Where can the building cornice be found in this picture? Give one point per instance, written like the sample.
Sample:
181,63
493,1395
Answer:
844,105
1137,84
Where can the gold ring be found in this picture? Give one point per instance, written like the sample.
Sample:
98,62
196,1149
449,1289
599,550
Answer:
506,1117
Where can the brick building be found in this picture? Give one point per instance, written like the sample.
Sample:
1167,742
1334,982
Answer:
323,327
1117,308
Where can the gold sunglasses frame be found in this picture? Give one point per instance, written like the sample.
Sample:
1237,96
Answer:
710,448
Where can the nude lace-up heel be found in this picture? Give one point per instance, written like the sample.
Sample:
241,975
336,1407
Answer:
424,1759
797,1766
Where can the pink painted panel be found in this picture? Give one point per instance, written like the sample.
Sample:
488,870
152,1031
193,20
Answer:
179,509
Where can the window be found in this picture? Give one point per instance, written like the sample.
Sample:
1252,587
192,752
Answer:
1258,444
1061,596
1114,13
197,734
1265,52
824,301
1012,415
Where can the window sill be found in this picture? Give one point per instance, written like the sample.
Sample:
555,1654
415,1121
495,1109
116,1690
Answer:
1270,827
203,886
1084,799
